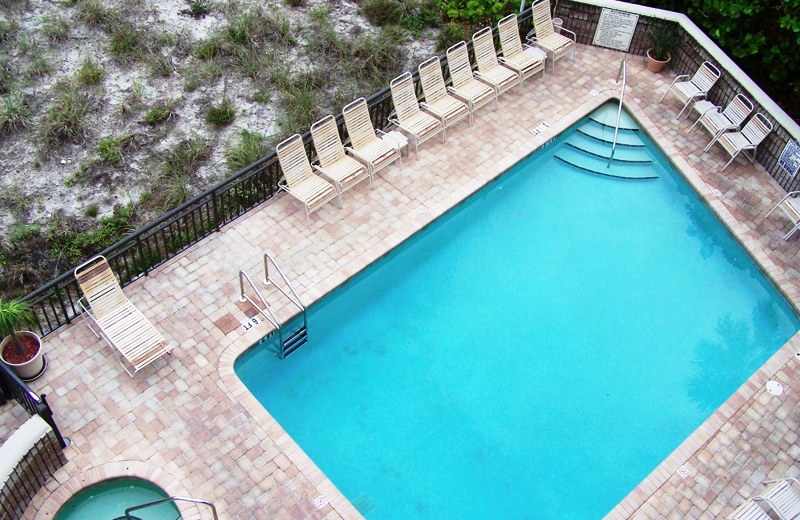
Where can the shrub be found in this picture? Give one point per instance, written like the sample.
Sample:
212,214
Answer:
95,13
110,149
186,157
90,72
66,118
14,112
55,28
222,114
197,8
475,12
158,114
381,56
382,12
451,34
91,211
251,147
295,3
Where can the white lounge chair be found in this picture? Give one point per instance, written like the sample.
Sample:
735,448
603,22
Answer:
545,37
716,120
420,125
696,88
447,108
747,140
365,145
465,84
334,163
749,510
524,59
299,180
120,323
489,70
782,498
791,208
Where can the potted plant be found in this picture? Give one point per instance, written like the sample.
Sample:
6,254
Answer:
663,39
20,350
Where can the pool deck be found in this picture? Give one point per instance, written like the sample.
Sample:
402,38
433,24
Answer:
188,424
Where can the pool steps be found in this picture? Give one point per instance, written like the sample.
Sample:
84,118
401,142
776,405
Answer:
589,147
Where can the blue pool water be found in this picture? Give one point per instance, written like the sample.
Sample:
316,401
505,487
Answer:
534,353
108,500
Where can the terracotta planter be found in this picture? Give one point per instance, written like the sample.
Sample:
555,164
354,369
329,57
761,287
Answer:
29,369
655,65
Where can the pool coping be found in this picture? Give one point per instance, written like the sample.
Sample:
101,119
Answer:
112,470
237,391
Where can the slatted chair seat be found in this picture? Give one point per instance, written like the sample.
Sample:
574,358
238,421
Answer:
420,125
490,70
437,101
689,92
365,145
524,59
716,120
474,92
755,131
334,163
782,498
120,323
790,206
749,510
554,44
299,180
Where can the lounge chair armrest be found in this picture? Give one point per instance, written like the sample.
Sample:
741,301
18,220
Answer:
532,39
320,170
357,155
677,79
780,479
574,36
455,92
402,127
427,108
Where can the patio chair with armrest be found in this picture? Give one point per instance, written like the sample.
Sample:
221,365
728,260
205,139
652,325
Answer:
334,163
524,59
782,498
755,131
446,107
490,70
365,145
420,125
545,37
465,83
696,88
299,180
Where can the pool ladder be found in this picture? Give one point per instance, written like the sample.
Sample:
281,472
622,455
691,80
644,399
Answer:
621,74
168,499
292,341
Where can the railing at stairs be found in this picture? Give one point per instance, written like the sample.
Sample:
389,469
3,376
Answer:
622,73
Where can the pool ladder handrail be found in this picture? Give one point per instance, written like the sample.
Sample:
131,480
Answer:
622,73
266,311
171,499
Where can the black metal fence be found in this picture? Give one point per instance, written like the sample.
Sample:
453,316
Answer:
583,19
12,387
56,303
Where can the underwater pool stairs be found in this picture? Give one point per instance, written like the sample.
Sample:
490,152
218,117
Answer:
589,148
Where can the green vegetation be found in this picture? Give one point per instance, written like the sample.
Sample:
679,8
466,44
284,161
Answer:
159,114
127,43
197,8
451,34
222,114
251,147
16,202
110,149
14,112
474,13
55,28
90,73
66,118
382,12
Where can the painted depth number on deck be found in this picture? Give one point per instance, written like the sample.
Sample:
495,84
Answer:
249,324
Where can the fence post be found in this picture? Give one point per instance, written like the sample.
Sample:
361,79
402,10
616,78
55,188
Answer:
47,414
216,214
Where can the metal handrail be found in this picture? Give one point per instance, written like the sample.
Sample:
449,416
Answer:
622,72
172,499
267,281
245,298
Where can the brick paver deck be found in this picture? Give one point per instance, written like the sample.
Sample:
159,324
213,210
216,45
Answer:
188,424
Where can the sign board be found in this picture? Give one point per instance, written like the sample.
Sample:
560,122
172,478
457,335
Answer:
615,29
790,158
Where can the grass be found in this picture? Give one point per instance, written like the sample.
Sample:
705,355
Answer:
262,96
197,9
55,28
8,30
16,202
14,111
96,13
222,114
66,120
382,12
451,34
127,43
251,147
90,72
91,211
110,149
199,74
209,49
7,74
160,64
159,114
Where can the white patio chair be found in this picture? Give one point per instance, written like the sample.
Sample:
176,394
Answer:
299,180
716,120
747,140
334,163
749,510
489,70
782,498
465,85
437,101
695,89
410,119
557,45
791,208
524,59
365,145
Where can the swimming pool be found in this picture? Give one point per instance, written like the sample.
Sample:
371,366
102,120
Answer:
108,500
535,352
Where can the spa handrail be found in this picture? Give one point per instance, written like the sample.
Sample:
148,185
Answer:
622,73
171,499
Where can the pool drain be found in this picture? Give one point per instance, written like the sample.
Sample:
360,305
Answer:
363,504
775,388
